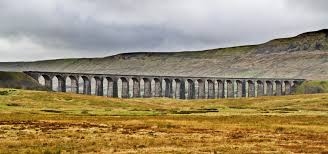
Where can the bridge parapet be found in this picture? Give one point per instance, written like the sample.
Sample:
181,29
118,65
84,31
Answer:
180,87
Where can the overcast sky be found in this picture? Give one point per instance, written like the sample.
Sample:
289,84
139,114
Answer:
48,29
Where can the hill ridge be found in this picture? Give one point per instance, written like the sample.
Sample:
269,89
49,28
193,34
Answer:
302,56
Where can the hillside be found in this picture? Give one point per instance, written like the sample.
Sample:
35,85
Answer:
302,56
18,80
48,122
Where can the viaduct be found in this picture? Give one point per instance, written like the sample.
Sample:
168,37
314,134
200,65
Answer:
179,87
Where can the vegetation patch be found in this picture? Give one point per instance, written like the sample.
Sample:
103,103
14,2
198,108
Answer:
13,104
85,112
3,93
312,87
6,92
206,110
52,110
85,124
285,110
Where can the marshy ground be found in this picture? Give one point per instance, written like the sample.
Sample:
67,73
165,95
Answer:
48,122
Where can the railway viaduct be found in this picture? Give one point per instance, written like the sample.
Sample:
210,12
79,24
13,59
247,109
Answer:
180,87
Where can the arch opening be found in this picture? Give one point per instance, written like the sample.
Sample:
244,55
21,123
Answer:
221,91
99,86
48,82
211,89
260,88
61,81
147,88
112,87
288,87
136,88
251,88
179,89
124,87
168,88
158,87
269,88
191,89
230,89
41,80
240,89
86,85
278,88
201,89
74,84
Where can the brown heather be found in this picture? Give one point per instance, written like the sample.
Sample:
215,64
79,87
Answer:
48,122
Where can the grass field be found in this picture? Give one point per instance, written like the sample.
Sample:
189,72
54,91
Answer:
49,122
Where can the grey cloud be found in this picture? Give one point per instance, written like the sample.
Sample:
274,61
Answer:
104,27
60,29
309,6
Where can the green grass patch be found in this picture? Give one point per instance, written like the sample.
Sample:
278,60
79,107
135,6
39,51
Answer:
312,87
24,101
52,110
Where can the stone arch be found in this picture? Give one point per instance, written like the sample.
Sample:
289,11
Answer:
93,85
179,89
48,81
124,87
230,89
278,88
59,83
158,87
35,76
105,86
221,91
251,88
173,88
74,84
191,89
41,80
147,87
136,88
240,89
81,85
68,84
99,87
211,89
112,87
168,88
86,85
201,89
269,88
260,88
183,89
288,87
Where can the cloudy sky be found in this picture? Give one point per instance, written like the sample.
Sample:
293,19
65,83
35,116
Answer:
48,29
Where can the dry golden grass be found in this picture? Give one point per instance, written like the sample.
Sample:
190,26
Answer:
47,122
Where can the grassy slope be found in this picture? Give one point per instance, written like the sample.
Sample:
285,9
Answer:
303,56
18,80
66,103
312,87
33,121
